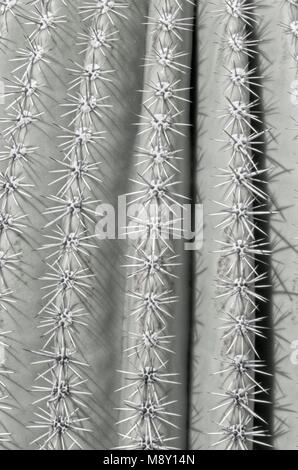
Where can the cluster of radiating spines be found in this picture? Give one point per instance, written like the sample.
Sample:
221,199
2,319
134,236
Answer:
243,245
23,113
148,416
70,235
291,28
9,10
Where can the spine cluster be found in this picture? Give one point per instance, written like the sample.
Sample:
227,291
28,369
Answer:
70,233
9,9
291,29
243,209
148,414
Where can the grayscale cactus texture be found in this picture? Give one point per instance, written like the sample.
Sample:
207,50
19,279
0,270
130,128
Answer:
148,224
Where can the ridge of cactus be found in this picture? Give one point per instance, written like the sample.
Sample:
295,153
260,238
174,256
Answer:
147,415
62,415
243,239
23,90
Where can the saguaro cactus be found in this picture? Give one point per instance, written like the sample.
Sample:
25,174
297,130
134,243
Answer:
144,344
